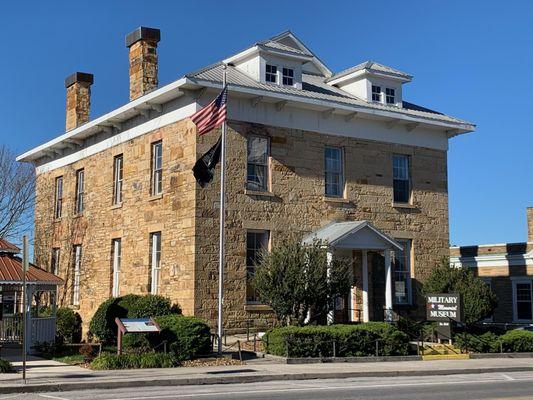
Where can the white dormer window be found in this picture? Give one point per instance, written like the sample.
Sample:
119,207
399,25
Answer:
390,96
271,73
376,93
288,76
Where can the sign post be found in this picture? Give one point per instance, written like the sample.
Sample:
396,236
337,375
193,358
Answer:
25,267
446,309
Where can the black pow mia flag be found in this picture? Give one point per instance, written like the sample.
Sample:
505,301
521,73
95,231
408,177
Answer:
204,169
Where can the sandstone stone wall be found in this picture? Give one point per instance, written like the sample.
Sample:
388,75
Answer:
187,215
172,213
529,212
296,206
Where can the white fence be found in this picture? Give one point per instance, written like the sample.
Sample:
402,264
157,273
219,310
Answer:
43,330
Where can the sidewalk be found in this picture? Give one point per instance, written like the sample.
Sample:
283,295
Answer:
47,375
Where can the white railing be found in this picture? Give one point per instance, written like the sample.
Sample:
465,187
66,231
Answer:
11,328
43,330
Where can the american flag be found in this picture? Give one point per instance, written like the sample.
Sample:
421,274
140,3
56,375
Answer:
212,115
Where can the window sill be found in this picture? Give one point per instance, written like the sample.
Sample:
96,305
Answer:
155,197
260,193
78,215
74,307
57,220
256,307
404,205
341,200
115,206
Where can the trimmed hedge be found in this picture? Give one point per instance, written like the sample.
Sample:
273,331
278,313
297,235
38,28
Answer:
187,337
133,361
511,342
350,340
68,326
103,324
6,367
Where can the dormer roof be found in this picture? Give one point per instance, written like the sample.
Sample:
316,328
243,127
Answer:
372,68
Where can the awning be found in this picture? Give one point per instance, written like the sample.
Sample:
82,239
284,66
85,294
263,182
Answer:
353,235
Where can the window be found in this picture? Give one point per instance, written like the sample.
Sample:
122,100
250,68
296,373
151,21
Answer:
155,261
401,185
258,155
80,188
523,300
334,174
376,93
288,76
54,263
116,253
402,273
488,282
389,96
77,274
117,179
58,203
271,73
157,168
256,241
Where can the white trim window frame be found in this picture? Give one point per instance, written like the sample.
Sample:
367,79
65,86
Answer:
58,197
401,174
287,77
118,165
402,273
116,257
80,191
256,241
258,163
155,261
376,93
390,95
54,262
522,300
271,73
77,275
156,187
334,182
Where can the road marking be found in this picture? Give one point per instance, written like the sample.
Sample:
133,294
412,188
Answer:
244,392
509,378
52,397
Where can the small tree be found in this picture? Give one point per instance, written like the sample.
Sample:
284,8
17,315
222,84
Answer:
478,300
294,280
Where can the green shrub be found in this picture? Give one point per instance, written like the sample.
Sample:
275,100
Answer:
517,341
487,342
68,326
6,367
350,340
103,325
133,361
187,337
137,342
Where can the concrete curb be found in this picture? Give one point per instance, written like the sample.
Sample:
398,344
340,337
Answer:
213,380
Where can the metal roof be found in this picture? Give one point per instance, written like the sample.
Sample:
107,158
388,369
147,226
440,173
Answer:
7,247
314,88
371,66
11,272
334,232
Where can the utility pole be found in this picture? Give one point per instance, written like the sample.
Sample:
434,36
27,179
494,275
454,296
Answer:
25,267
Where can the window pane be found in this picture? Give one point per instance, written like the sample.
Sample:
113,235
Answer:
257,170
333,171
402,273
255,243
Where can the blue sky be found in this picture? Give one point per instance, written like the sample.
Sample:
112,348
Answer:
469,59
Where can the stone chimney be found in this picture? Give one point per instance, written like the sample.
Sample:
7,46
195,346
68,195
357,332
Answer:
142,43
529,213
78,99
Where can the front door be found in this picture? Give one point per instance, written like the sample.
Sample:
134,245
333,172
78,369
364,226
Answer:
376,298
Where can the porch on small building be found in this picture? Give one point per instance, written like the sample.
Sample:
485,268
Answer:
371,255
41,292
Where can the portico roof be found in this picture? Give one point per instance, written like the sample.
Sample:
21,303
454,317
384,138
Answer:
353,234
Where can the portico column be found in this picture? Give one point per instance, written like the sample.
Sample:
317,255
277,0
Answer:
366,310
331,313
388,286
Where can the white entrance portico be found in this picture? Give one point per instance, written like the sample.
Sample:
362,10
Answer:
364,237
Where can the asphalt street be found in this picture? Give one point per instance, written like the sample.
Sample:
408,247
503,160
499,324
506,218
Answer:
514,385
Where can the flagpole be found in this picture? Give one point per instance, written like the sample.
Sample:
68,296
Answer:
222,225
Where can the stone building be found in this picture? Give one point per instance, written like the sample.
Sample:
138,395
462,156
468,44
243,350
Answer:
508,269
310,153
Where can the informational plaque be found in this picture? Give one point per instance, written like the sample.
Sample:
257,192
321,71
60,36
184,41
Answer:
134,325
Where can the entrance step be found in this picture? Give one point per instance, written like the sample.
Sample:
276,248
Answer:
440,349
432,357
